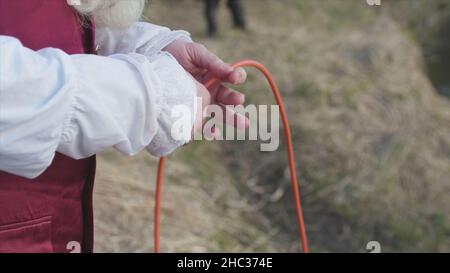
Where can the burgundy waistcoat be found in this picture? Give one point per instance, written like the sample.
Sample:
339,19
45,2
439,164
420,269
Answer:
52,213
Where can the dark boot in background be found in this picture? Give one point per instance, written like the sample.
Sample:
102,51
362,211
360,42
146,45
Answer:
211,16
237,9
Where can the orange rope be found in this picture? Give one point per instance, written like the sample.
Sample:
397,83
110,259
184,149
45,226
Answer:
290,147
158,197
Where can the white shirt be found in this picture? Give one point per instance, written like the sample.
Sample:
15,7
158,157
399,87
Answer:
79,105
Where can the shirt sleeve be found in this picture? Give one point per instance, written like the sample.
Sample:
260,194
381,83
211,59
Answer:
81,104
149,39
142,37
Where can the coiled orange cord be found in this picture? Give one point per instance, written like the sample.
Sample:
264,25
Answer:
290,147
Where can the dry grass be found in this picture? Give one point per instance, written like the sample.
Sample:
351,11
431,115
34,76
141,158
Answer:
372,138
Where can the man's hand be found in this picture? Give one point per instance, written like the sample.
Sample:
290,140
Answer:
221,96
204,65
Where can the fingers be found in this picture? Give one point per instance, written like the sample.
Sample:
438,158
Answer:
232,118
238,76
223,97
227,115
228,96
204,59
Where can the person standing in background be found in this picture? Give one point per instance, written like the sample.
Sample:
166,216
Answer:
237,11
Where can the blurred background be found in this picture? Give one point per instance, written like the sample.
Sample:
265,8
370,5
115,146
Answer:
368,94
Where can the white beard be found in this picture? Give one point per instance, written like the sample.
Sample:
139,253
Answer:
112,13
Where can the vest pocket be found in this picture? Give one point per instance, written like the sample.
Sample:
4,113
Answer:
32,236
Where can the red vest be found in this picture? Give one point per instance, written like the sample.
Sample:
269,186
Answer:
52,213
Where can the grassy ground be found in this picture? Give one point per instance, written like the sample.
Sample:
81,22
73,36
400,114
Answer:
371,133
